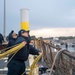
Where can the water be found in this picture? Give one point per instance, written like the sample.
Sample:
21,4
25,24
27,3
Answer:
70,48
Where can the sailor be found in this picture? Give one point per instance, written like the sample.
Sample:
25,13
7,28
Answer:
1,38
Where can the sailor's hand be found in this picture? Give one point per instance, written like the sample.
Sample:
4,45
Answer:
24,42
40,53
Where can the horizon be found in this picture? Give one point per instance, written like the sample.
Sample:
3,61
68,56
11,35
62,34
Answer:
52,32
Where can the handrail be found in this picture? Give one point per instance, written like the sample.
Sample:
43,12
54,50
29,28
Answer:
69,54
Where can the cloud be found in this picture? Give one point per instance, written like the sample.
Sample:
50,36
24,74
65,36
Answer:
53,32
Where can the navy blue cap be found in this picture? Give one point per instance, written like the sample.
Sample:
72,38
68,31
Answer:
21,31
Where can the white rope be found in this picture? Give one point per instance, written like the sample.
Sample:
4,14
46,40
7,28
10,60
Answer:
51,70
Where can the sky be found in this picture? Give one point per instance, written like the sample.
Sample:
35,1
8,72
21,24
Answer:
46,17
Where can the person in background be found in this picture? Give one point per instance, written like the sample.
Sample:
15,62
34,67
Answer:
11,41
1,38
17,64
12,37
66,46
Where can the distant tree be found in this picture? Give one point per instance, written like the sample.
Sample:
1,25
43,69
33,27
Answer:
66,37
70,37
41,38
33,37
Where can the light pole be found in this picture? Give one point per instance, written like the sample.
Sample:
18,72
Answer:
4,28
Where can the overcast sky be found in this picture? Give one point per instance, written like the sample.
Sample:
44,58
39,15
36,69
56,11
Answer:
51,16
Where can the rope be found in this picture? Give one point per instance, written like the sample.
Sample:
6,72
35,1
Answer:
19,47
16,49
9,61
33,65
13,50
51,70
8,48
